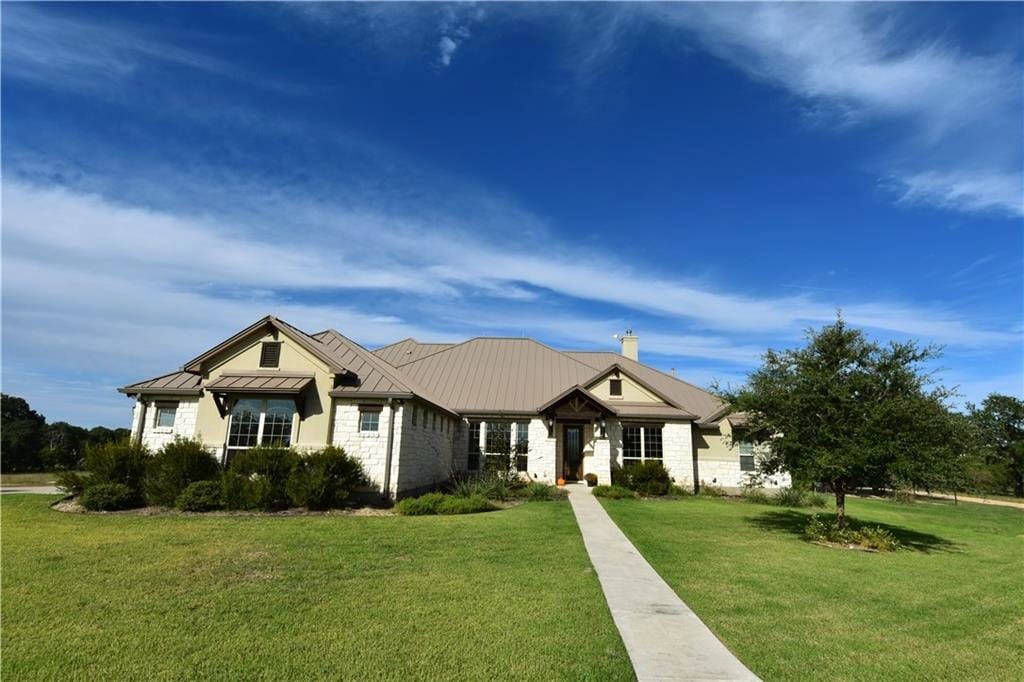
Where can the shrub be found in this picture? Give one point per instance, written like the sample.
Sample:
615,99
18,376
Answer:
424,505
260,478
680,491
591,479
494,485
792,497
117,462
614,492
325,479
622,477
74,482
649,478
711,490
817,500
200,496
540,492
174,467
903,496
756,495
110,497
464,505
871,537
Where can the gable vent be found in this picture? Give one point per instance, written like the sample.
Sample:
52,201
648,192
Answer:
270,354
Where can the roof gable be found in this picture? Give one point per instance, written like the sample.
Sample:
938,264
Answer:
409,350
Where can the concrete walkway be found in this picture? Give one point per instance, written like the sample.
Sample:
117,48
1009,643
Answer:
664,638
976,500
34,489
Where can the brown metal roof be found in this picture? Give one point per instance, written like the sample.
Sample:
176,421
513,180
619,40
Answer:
649,410
497,374
409,350
260,382
376,376
690,398
175,383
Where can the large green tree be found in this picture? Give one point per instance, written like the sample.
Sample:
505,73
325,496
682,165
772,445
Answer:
22,431
849,412
1000,422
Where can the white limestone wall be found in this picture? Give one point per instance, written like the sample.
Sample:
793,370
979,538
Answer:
426,452
601,462
727,474
369,447
677,451
155,437
541,457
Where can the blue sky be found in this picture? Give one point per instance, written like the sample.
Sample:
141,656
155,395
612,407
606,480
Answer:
718,177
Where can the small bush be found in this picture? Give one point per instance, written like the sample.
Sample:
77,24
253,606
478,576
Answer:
792,497
325,479
591,479
540,492
492,485
756,496
711,490
174,467
424,505
680,491
623,477
261,478
903,496
613,492
117,462
650,478
110,497
464,505
817,500
200,496
870,537
439,503
74,482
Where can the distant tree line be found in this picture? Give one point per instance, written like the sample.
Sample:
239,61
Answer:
28,443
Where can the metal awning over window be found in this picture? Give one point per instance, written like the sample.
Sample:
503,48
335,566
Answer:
278,383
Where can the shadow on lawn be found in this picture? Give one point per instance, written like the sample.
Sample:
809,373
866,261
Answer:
794,522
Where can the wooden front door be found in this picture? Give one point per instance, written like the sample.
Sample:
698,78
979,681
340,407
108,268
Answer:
572,452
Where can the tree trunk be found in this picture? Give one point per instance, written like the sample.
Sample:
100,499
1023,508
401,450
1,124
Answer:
1018,486
840,505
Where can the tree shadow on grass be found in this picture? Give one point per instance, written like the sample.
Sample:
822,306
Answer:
794,523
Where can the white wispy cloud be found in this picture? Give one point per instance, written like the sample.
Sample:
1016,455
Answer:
957,135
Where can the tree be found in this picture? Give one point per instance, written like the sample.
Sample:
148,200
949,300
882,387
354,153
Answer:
849,412
21,437
65,446
1000,422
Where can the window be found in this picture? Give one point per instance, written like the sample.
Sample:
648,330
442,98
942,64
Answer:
414,415
615,388
426,417
270,354
499,437
165,414
259,422
473,459
433,424
522,445
640,443
746,456
369,418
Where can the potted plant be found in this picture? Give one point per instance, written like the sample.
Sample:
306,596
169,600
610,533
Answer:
591,479
561,482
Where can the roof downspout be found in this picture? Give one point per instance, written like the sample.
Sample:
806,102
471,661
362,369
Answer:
391,445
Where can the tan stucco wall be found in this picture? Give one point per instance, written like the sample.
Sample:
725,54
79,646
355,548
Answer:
717,445
311,432
632,392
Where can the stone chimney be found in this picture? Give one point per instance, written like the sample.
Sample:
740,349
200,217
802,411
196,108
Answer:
630,345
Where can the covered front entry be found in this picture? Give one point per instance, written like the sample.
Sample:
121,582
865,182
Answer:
572,452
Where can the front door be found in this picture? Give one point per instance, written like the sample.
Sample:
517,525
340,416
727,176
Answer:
572,452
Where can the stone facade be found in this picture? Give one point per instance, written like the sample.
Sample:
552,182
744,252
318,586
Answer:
426,450
727,474
155,437
369,447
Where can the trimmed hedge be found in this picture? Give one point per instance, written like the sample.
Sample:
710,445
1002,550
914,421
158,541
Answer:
176,466
200,496
647,478
614,492
110,497
439,503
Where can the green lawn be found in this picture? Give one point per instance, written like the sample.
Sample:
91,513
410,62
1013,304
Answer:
33,478
951,606
507,594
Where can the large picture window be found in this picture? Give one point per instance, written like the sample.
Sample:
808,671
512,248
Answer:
259,422
473,458
640,443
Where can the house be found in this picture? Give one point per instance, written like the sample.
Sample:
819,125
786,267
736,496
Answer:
414,413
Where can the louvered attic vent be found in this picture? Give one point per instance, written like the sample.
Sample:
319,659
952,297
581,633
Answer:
270,354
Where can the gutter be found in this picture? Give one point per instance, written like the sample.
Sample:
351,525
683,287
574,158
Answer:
390,450
142,419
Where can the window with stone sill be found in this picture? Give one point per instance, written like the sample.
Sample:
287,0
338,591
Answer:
165,416
640,443
747,456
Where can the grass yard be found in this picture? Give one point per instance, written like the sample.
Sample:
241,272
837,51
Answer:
32,478
950,606
507,594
